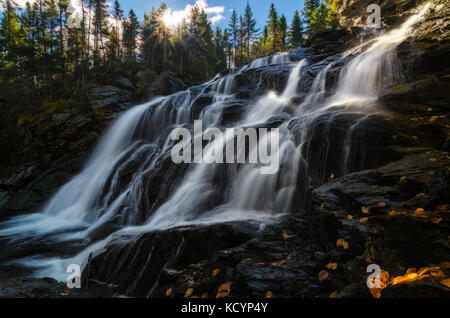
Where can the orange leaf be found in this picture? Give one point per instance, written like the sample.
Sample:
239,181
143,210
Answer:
362,220
269,294
332,266
403,178
223,290
285,235
438,274
419,211
204,295
169,292
350,217
334,294
282,262
446,282
215,272
343,243
382,204
323,275
365,210
442,207
445,264
188,292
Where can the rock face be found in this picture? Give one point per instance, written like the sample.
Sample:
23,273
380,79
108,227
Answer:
382,201
354,12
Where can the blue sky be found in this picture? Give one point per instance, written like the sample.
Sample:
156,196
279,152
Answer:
260,7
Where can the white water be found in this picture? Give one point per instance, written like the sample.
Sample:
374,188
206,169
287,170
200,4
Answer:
93,199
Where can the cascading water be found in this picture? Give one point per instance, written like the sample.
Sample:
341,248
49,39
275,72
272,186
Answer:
109,198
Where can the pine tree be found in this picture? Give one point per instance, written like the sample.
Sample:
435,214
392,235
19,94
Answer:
274,31
309,7
296,34
234,31
131,29
283,32
100,27
249,27
118,16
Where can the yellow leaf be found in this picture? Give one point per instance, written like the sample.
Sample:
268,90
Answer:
433,159
269,294
429,109
223,290
332,266
323,275
438,274
341,242
411,270
334,294
365,210
188,292
445,264
215,272
446,282
350,217
285,235
169,292
195,297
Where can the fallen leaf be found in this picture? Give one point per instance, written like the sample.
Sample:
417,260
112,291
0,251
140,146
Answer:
442,207
415,137
343,243
433,159
350,217
215,272
445,264
334,294
392,213
285,235
204,295
438,274
423,195
365,210
225,251
269,294
169,292
323,275
446,282
363,220
403,178
419,211
382,204
429,109
282,262
332,266
188,292
223,290
436,220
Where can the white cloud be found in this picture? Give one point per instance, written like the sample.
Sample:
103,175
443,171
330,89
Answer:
214,13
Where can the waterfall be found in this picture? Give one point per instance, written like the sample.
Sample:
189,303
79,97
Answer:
109,197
